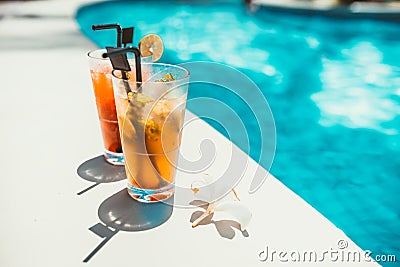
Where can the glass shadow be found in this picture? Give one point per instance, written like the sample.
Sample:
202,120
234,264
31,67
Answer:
99,171
122,213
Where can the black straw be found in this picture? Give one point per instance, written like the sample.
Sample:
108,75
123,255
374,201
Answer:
125,50
120,62
110,26
127,36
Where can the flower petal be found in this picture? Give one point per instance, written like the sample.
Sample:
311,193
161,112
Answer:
200,218
210,189
232,211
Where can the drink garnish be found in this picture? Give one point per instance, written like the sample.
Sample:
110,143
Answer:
167,78
139,99
152,130
151,45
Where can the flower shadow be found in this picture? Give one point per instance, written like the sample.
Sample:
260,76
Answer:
225,228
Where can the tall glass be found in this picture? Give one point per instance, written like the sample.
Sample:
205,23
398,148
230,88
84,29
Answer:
100,72
150,115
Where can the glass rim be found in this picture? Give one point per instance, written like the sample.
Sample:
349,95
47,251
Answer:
187,73
89,54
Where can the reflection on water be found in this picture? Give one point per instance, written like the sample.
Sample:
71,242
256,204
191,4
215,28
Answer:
359,90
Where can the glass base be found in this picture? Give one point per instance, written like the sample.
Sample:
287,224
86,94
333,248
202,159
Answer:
150,195
114,158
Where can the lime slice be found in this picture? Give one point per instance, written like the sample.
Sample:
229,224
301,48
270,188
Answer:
151,45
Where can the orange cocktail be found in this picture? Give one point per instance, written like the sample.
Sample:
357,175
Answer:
151,116
100,71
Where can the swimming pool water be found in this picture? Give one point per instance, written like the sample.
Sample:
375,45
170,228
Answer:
333,87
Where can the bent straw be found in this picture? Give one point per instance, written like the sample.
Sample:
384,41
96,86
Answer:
125,50
113,53
110,26
121,63
127,36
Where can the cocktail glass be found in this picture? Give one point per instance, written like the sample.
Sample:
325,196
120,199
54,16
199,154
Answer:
100,71
150,115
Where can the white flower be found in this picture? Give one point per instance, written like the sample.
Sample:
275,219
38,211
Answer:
228,207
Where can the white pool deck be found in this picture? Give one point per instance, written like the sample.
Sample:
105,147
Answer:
49,128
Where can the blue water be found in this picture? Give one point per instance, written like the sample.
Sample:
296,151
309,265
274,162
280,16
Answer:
333,86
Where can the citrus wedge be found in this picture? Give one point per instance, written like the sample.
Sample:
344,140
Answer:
151,45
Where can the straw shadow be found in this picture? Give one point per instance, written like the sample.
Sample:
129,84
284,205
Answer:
122,213
97,170
225,228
